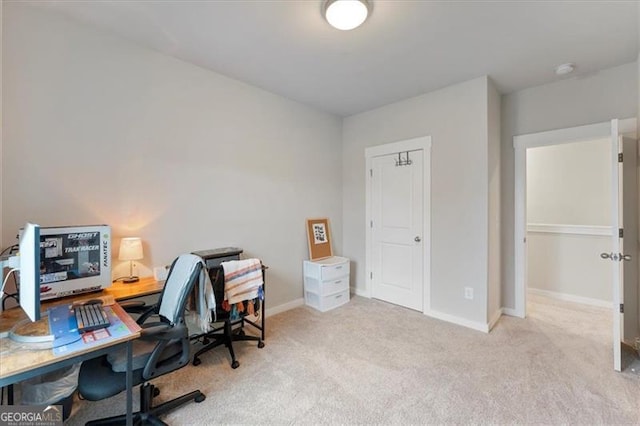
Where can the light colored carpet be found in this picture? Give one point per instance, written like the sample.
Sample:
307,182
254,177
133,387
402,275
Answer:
371,362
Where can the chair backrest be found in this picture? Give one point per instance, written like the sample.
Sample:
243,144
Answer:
183,274
171,355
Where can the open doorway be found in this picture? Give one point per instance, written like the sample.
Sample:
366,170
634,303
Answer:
564,247
568,189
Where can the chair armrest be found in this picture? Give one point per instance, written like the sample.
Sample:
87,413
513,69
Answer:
162,331
134,306
146,313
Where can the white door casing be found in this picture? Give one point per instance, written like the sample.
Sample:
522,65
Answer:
398,223
556,137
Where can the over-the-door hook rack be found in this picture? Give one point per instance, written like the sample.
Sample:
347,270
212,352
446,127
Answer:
403,161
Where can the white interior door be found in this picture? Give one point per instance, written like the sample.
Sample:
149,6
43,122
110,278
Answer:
397,228
622,250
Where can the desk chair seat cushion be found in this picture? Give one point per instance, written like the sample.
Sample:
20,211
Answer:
141,353
107,372
101,381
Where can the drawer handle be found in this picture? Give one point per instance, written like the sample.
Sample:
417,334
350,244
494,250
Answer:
339,267
338,282
338,296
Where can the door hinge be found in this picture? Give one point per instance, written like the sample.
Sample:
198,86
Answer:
620,233
622,308
620,158
371,172
371,275
371,224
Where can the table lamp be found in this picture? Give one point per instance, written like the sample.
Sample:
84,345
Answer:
130,249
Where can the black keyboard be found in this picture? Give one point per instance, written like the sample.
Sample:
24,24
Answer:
91,317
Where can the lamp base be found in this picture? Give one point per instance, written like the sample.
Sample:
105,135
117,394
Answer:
128,280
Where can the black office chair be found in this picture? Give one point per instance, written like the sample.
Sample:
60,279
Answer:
164,346
232,329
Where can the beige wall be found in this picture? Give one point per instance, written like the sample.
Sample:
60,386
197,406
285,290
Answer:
456,119
99,130
638,134
1,121
596,98
494,279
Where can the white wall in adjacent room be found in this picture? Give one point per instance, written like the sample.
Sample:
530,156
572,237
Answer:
100,130
568,197
569,184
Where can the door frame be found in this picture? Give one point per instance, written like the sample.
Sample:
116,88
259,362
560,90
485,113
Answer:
420,143
521,144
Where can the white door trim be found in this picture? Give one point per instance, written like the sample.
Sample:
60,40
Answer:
521,144
421,143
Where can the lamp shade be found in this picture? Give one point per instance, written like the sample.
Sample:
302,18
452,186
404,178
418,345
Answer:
130,249
346,14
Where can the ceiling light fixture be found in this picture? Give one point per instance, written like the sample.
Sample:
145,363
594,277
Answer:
346,14
565,69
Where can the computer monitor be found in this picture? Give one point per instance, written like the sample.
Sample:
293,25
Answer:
27,262
29,257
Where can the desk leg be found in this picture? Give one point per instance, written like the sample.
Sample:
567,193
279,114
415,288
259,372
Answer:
129,382
262,314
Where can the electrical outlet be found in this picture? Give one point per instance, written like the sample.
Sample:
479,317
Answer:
160,273
468,293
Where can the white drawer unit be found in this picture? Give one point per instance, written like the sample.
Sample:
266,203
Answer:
326,282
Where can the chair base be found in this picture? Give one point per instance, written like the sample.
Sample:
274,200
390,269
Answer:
226,338
148,414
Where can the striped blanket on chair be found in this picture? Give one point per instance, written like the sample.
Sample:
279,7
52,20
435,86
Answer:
242,280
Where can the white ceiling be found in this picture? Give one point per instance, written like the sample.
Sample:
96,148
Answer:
406,48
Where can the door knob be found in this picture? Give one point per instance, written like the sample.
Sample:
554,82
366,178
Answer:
616,256
417,239
612,256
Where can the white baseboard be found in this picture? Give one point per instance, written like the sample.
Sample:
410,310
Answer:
458,321
359,292
571,298
284,307
511,312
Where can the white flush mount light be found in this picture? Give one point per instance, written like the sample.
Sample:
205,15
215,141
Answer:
346,14
565,69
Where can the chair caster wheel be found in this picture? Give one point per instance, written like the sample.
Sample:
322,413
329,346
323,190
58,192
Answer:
205,341
235,364
241,332
261,344
156,392
200,398
197,361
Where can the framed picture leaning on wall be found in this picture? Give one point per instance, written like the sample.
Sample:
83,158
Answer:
319,238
